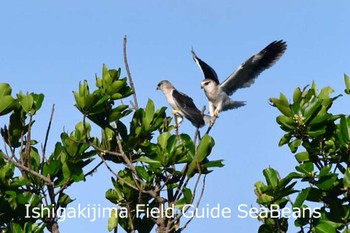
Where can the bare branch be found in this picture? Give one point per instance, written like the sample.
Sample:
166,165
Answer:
48,130
22,167
129,75
197,204
179,187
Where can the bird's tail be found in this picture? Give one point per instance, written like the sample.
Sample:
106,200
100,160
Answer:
233,104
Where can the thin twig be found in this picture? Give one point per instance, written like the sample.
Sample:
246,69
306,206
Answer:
129,75
179,187
213,119
48,129
197,203
28,141
21,166
132,228
43,157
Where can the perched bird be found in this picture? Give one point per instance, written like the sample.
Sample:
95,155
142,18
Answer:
245,75
181,104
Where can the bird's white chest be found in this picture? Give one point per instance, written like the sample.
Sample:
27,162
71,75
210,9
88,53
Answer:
169,97
215,95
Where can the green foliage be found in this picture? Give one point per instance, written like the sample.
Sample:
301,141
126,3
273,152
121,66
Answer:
19,194
157,163
320,142
156,160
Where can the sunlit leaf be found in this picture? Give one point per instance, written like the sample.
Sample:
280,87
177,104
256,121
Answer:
271,176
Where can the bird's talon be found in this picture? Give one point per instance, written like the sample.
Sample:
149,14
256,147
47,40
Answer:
216,113
212,121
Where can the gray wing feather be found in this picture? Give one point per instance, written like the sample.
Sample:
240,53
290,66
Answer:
246,73
188,108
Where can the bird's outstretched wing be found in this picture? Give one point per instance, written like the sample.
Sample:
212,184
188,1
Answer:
246,73
188,108
208,72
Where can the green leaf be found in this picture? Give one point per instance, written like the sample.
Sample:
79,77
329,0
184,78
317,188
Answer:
65,170
325,92
106,77
179,204
162,140
314,195
306,168
148,160
113,196
214,163
345,128
51,167
297,95
115,87
141,171
302,156
320,120
204,147
27,102
325,227
302,196
15,227
148,117
113,220
347,84
312,108
38,101
7,104
346,179
116,113
265,228
64,200
285,139
5,89
282,105
286,122
271,177
293,146
187,195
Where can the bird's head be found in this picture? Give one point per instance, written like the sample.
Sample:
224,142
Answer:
163,84
208,84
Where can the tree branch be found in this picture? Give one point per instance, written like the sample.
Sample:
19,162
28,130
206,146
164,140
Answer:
34,173
48,130
43,157
197,204
129,75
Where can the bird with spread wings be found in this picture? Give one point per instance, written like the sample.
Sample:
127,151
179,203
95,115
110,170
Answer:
244,76
182,105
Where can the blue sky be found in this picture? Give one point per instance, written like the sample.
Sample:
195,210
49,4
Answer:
48,47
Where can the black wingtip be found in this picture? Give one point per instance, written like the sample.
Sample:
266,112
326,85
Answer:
208,71
273,52
194,56
279,46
